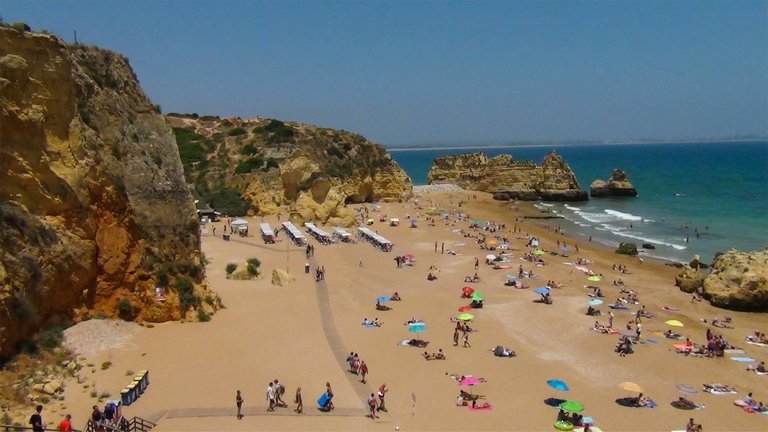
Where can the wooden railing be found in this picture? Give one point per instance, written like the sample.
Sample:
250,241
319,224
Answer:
136,424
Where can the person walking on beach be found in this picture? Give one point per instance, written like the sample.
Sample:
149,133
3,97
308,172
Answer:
239,402
435,247
279,391
442,247
466,340
610,319
372,406
382,392
456,336
36,420
66,424
363,370
271,397
329,392
477,263
299,402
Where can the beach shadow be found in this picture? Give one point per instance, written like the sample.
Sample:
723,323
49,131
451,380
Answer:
553,402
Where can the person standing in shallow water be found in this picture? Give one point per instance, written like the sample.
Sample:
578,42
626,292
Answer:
299,402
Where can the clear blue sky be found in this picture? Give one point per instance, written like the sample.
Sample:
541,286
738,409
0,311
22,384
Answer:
443,72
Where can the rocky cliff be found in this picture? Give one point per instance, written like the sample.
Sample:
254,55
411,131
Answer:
736,280
94,210
260,166
617,186
508,178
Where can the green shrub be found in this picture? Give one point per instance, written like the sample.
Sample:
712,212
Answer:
186,290
106,365
162,277
237,132
125,309
272,163
51,337
202,316
249,165
231,267
209,300
253,265
248,149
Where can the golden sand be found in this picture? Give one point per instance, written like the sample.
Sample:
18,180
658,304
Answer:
301,334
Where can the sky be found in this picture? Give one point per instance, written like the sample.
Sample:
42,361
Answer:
440,72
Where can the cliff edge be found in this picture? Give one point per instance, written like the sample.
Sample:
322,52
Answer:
507,178
94,210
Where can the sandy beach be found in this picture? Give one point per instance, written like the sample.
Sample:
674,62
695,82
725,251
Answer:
301,334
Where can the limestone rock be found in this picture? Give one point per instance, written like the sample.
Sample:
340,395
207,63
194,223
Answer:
273,164
93,201
739,281
689,279
507,178
627,249
52,387
617,186
281,278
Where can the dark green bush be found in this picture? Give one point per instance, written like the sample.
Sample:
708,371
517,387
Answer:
202,316
125,309
186,290
237,132
249,165
51,337
248,149
253,266
231,267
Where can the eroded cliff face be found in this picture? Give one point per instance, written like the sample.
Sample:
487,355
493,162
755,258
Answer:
617,186
272,164
737,281
507,178
94,208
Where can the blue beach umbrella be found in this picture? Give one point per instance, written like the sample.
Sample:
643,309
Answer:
383,299
557,384
595,302
565,249
417,328
510,276
541,290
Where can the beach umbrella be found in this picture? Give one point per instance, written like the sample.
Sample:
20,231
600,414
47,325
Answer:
469,381
594,278
557,384
565,249
477,222
510,276
409,257
492,242
630,386
674,323
383,299
477,296
539,252
465,317
572,406
466,308
541,290
687,389
490,257
467,290
595,302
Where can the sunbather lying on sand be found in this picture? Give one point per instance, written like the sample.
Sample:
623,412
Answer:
718,388
382,307
439,355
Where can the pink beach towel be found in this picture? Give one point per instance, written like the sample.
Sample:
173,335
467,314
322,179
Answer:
480,408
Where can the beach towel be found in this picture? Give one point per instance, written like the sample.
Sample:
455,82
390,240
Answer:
369,326
499,267
480,408
761,373
711,390
734,351
743,359
670,308
618,307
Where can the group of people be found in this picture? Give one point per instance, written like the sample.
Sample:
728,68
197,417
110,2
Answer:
375,405
357,366
464,329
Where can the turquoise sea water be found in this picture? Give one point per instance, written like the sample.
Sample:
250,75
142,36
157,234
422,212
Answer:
719,189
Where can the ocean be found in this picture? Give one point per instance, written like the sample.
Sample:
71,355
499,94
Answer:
693,198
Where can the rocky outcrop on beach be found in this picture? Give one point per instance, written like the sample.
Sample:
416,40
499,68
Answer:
507,178
260,166
94,209
737,281
617,186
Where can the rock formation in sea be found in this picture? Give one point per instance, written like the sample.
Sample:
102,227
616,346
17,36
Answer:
617,186
736,280
507,178
260,166
94,210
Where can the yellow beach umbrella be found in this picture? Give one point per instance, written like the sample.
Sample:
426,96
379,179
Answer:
674,323
630,386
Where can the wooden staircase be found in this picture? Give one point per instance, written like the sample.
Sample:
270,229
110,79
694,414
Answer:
136,424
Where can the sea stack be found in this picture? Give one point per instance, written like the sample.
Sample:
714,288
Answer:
617,186
507,178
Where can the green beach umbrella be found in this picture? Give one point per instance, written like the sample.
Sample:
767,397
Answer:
477,296
571,406
539,252
594,278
